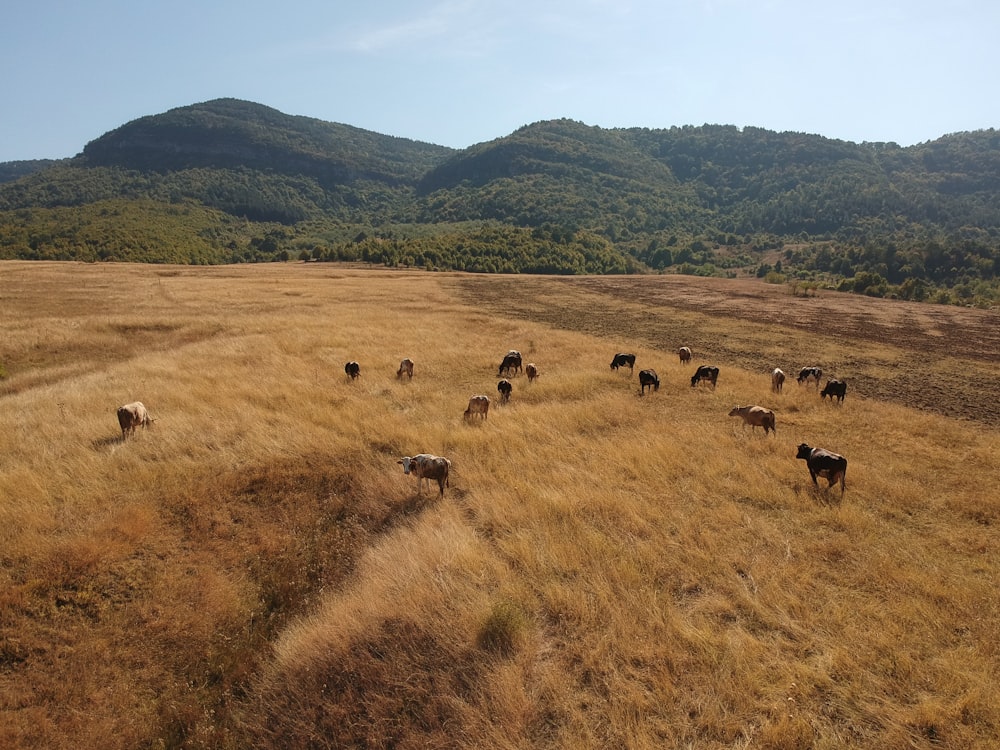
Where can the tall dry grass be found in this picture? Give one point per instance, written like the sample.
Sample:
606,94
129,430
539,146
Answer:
606,570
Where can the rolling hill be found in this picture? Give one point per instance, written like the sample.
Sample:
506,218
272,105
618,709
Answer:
556,196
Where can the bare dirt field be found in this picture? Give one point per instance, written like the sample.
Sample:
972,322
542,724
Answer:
942,358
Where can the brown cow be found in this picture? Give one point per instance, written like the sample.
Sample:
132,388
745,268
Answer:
405,368
478,405
755,416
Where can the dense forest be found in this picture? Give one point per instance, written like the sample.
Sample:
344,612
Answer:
229,181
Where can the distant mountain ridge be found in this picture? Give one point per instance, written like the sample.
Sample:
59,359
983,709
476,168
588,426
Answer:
562,196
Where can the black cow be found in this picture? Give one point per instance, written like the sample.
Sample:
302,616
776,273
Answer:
835,389
705,372
823,463
810,373
621,360
353,369
504,388
648,379
511,363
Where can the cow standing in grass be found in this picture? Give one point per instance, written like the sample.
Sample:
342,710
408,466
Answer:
478,406
777,380
648,379
405,368
623,359
511,363
427,466
131,416
823,463
707,373
353,370
810,373
504,388
755,416
835,389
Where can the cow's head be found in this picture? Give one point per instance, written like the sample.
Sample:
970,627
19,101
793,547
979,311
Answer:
804,451
407,464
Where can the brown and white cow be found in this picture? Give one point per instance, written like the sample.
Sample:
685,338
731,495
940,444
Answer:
427,466
777,380
353,369
131,416
405,368
685,354
531,370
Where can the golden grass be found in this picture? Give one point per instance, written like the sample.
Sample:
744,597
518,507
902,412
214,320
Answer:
606,570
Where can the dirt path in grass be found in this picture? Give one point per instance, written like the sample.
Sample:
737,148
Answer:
942,358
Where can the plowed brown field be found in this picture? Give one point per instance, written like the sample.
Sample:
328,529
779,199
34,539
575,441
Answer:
942,358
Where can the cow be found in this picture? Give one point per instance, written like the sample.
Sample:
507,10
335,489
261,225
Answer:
755,416
621,360
131,416
685,354
511,363
810,373
823,463
427,466
531,371
648,379
705,372
835,389
504,388
353,369
777,380
405,368
478,405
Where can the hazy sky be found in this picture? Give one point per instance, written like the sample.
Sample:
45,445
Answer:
459,72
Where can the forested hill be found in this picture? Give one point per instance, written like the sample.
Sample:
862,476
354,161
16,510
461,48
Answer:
233,181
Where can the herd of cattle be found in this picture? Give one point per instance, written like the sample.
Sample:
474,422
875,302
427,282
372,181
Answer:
425,466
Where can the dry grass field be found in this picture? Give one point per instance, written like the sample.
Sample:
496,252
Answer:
605,570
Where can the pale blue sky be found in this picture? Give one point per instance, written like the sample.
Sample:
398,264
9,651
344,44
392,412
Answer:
459,72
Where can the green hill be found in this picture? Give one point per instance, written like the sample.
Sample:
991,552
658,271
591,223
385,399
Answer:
556,197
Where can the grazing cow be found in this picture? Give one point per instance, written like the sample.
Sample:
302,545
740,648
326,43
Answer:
777,380
648,379
755,416
835,389
478,405
685,354
504,388
823,463
531,371
427,466
621,360
705,372
353,369
810,373
131,416
511,363
405,368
